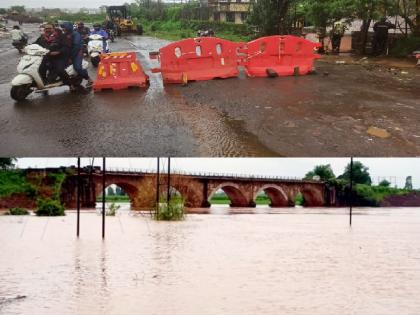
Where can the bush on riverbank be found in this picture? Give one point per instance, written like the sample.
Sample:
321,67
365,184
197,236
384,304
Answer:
175,211
17,211
14,181
373,195
49,207
364,195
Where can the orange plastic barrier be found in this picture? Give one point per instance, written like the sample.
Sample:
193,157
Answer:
197,59
280,55
119,71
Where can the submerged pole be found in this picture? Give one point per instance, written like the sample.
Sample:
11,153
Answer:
157,187
78,196
103,197
351,189
169,181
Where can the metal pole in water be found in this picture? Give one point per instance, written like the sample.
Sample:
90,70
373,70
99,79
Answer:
103,198
78,196
157,187
351,189
169,180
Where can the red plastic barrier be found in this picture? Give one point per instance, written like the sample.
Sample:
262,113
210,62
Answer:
197,59
119,71
280,55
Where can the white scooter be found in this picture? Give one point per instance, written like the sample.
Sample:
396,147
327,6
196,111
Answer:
96,48
29,80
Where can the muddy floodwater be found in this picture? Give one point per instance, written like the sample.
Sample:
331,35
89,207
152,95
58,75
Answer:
327,114
296,261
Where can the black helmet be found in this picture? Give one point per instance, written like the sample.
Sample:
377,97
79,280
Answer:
97,25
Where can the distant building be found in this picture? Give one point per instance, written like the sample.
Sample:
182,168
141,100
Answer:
234,11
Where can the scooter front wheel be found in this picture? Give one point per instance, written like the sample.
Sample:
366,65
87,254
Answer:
20,92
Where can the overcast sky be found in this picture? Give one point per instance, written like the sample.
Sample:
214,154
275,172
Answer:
392,168
61,3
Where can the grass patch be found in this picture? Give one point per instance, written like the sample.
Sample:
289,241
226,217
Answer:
114,198
221,199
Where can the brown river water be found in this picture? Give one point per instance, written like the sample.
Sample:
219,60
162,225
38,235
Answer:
295,261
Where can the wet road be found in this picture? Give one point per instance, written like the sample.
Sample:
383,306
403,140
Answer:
317,115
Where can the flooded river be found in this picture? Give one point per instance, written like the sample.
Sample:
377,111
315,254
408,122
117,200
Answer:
298,261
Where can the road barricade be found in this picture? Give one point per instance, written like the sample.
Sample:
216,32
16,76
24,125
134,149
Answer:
280,56
119,71
197,59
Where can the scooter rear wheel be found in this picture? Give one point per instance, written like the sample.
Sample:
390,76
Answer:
20,92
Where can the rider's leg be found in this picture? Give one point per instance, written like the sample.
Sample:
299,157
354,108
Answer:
43,69
59,66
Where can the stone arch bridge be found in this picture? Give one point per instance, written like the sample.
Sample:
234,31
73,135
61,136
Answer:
196,190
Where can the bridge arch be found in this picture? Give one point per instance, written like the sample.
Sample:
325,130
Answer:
131,190
276,194
233,191
312,197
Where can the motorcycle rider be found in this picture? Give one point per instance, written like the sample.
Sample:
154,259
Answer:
56,60
74,39
109,25
97,30
84,31
18,35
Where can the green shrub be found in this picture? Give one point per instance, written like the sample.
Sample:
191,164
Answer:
173,212
373,195
405,46
49,207
155,26
112,209
17,211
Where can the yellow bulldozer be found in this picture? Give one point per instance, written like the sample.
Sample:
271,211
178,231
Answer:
121,18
